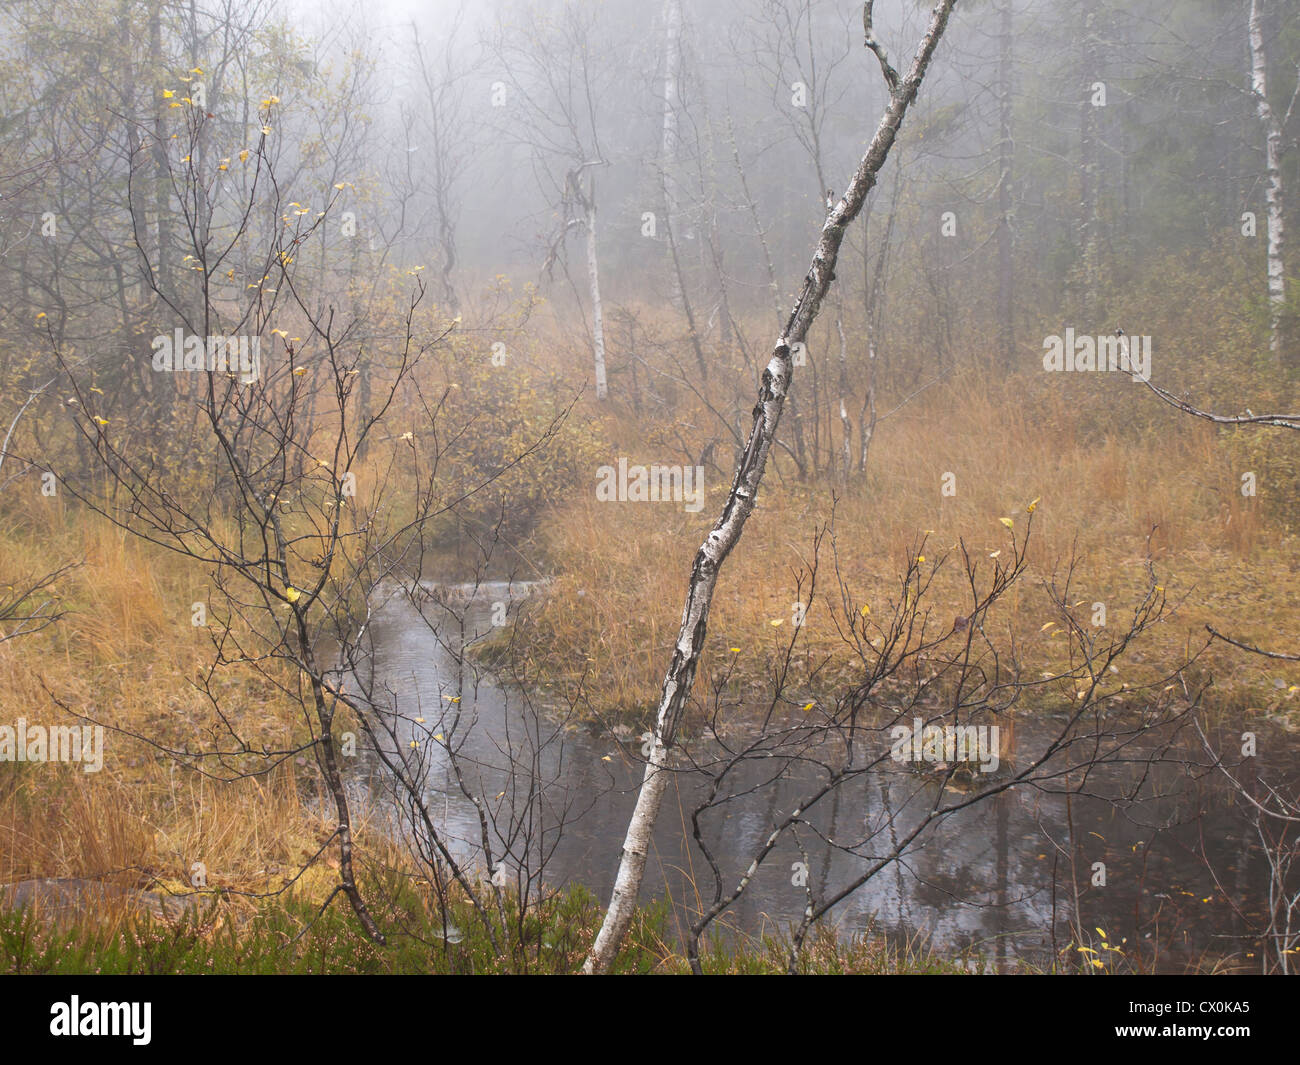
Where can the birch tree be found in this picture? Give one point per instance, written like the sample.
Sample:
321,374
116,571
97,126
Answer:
557,80
672,65
773,389
1273,185
1089,173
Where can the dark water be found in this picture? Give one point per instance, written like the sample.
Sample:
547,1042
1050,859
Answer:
1186,879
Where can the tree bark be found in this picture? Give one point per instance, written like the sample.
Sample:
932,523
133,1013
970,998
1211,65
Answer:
1089,221
1273,188
773,389
597,308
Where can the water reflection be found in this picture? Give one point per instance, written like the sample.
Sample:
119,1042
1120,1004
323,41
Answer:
1001,880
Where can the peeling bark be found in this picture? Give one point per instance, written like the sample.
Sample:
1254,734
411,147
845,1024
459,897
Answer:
772,392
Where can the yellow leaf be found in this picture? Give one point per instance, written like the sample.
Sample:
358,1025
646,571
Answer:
1007,522
865,610
168,94
100,421
438,737
292,594
243,156
808,707
1032,506
776,621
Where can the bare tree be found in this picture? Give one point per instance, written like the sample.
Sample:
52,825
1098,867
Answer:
298,548
726,532
918,675
557,79
450,142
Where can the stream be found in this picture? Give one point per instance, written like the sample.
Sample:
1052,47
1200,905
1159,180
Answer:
992,882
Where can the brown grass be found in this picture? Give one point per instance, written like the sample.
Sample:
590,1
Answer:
608,624
125,655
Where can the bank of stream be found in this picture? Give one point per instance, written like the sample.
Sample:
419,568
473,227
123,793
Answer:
1007,880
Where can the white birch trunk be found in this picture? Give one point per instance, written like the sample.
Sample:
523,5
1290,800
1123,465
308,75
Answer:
1272,176
672,65
773,389
597,309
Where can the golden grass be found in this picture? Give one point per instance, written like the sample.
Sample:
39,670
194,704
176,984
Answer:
126,654
608,624
1108,464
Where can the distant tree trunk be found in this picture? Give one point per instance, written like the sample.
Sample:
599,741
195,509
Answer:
443,113
162,171
846,423
1088,191
672,66
800,448
593,276
136,202
668,175
873,307
1006,267
773,389
688,309
1273,188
